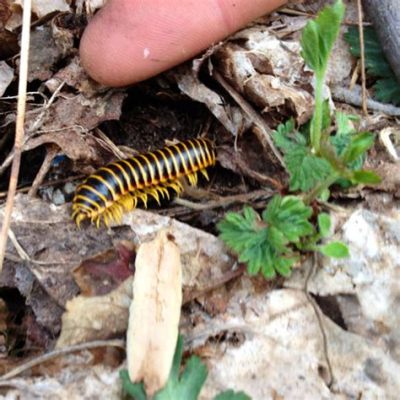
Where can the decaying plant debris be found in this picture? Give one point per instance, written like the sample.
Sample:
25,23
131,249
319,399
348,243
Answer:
328,331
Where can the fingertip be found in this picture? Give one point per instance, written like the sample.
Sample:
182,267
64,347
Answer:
132,40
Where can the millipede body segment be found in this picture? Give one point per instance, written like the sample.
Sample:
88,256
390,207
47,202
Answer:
118,186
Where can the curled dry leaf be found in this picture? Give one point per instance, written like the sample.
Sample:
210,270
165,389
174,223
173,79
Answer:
99,316
44,53
44,7
268,71
6,76
155,312
102,273
76,77
54,248
89,6
230,116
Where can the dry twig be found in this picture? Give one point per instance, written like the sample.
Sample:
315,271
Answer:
362,53
59,352
224,201
264,132
19,129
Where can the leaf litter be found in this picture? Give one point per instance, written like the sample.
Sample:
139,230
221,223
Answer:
82,279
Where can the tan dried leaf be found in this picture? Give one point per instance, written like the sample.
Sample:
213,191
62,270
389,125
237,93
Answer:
44,7
100,316
155,312
6,76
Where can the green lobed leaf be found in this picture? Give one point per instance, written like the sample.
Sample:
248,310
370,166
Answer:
289,215
358,146
350,146
324,224
366,177
324,195
305,168
134,390
319,36
335,250
286,127
375,60
387,88
264,244
192,379
231,395
345,124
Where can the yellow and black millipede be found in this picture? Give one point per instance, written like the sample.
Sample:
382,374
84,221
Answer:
117,187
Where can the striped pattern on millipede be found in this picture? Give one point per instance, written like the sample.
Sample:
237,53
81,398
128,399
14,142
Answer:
118,186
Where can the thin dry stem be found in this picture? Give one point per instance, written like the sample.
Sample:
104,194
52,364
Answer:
362,53
19,129
224,201
59,352
264,133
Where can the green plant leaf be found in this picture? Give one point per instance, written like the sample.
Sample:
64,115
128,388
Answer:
324,224
319,36
231,395
345,124
375,60
305,168
358,145
264,245
324,195
289,215
366,177
335,250
387,88
187,386
350,146
286,128
192,379
134,390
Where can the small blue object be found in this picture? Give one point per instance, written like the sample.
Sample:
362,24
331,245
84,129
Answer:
58,159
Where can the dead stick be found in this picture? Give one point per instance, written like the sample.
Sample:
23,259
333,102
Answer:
264,133
362,53
19,129
59,352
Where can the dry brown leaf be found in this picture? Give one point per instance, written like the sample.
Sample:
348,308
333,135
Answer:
100,316
89,6
155,312
44,53
54,247
44,7
104,272
230,116
6,76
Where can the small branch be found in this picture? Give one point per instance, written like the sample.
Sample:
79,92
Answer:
59,352
19,129
51,152
354,97
190,294
317,312
362,53
224,201
265,131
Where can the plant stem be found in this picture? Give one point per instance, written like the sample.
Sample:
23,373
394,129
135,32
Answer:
316,126
308,198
